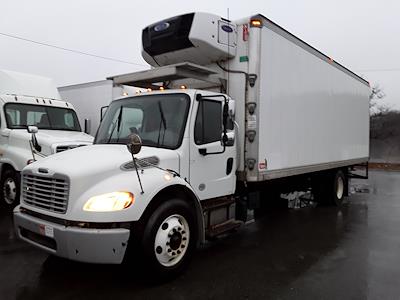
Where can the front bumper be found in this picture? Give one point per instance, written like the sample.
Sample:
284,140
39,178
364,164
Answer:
105,246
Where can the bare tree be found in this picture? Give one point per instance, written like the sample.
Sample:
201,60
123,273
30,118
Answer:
376,108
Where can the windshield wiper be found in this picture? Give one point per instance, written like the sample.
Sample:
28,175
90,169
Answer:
118,121
163,122
119,124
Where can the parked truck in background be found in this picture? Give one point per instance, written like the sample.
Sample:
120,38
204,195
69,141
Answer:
238,111
31,100
89,99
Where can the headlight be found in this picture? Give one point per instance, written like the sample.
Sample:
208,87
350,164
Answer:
109,202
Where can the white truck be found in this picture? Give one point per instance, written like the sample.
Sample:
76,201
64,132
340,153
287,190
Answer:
237,111
31,101
89,99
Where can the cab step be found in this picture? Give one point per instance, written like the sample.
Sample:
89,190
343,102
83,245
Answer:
221,228
215,203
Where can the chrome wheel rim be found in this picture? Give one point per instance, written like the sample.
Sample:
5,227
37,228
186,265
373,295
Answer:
172,240
10,191
340,188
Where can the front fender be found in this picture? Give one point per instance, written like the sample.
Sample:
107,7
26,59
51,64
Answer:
153,181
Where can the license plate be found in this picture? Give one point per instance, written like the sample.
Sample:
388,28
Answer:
46,230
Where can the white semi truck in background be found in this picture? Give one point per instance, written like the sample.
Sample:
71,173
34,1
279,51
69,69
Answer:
31,100
238,111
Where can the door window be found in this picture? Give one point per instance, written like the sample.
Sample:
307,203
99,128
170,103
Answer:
208,126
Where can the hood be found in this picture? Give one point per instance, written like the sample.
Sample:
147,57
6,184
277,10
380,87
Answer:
102,160
99,169
50,139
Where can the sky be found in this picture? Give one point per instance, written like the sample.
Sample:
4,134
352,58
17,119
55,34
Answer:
363,35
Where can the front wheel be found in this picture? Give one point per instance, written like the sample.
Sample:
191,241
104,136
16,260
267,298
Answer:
169,238
9,188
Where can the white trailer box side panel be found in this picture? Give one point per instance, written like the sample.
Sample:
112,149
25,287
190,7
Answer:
87,99
310,112
23,84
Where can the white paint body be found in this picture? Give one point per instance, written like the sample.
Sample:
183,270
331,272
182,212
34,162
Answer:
30,89
310,115
89,98
309,112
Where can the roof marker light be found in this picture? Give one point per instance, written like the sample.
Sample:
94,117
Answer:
125,94
183,87
149,90
162,88
256,23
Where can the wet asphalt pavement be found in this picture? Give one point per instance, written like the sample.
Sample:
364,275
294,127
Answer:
310,253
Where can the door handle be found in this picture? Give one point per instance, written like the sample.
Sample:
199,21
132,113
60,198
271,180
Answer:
203,151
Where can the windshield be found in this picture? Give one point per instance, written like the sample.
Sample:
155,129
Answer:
158,119
19,115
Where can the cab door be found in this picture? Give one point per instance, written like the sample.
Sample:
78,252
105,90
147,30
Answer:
212,167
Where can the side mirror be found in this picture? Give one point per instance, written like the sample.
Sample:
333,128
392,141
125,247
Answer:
87,126
229,140
33,129
231,106
135,143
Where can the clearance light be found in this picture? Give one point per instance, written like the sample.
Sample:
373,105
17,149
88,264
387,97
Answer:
149,90
162,88
183,87
255,23
125,94
109,202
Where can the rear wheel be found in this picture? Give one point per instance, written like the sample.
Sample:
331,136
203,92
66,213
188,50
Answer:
330,188
168,239
10,188
339,187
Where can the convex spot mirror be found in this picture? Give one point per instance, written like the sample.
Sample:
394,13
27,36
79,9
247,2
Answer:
134,143
33,129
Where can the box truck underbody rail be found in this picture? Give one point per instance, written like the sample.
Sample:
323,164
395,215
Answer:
148,78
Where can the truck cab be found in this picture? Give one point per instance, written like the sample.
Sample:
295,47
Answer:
54,121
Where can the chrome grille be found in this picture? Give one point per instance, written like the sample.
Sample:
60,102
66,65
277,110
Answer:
48,193
67,147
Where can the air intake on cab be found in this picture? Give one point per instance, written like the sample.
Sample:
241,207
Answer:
200,38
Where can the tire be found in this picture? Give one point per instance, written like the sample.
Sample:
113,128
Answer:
10,189
168,240
330,188
339,188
